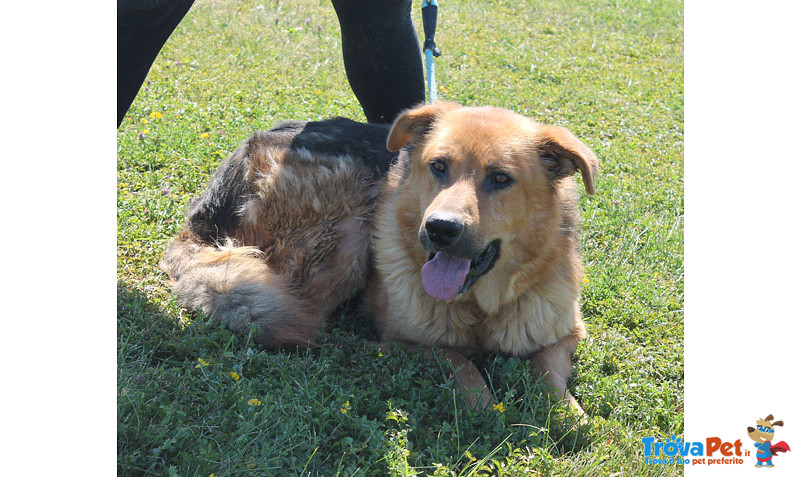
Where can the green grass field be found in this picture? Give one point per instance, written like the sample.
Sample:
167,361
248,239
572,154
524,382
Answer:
193,399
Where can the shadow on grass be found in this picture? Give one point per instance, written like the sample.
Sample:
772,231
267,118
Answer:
202,400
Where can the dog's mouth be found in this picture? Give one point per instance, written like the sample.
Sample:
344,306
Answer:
444,276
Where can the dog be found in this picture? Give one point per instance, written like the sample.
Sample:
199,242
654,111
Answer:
763,436
458,225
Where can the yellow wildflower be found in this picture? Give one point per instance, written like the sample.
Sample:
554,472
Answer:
144,121
345,407
253,402
203,363
205,135
499,407
156,115
234,375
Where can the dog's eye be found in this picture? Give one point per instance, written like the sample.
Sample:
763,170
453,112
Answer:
498,180
438,168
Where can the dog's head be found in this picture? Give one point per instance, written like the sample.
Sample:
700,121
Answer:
484,189
764,430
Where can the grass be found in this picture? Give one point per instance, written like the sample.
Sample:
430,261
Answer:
610,71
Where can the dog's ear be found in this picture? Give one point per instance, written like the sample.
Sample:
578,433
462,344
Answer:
777,423
768,418
414,123
562,154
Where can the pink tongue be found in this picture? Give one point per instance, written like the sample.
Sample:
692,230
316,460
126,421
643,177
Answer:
443,276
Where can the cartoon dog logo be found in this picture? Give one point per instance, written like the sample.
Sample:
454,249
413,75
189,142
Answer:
763,434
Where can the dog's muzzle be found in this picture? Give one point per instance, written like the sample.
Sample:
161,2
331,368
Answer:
454,262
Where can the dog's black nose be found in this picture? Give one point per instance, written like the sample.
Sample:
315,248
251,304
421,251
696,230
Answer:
443,229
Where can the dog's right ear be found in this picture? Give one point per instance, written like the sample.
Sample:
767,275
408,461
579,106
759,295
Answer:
777,423
414,123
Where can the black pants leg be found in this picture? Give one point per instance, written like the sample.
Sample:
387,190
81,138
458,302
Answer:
143,27
379,44
382,56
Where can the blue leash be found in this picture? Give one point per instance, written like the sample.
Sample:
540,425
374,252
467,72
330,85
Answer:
429,12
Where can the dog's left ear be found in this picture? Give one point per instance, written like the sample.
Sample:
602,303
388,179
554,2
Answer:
562,154
777,423
414,123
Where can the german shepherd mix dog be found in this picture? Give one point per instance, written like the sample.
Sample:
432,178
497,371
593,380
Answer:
466,239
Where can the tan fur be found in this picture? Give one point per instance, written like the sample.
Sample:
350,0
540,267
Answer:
305,226
313,229
529,301
235,285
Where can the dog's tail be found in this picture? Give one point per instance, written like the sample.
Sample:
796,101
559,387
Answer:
235,285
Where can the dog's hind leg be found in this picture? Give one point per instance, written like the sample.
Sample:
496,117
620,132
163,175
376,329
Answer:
236,286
